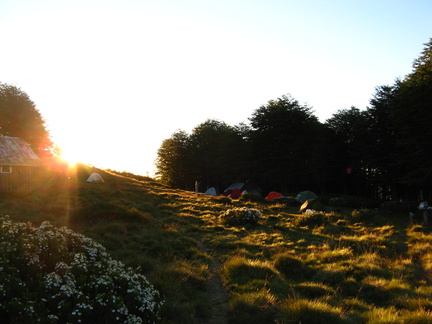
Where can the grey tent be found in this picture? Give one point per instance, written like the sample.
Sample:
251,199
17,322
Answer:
235,185
305,195
95,178
211,191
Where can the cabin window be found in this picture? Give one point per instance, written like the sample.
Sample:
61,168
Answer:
5,169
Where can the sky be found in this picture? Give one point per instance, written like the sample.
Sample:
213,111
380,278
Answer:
113,79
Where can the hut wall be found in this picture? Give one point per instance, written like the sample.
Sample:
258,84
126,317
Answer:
21,179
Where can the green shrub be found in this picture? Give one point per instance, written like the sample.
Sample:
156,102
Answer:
55,275
241,216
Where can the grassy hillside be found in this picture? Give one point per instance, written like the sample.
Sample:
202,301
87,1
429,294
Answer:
340,267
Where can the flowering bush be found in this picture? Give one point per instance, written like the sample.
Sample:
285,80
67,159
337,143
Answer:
55,275
241,216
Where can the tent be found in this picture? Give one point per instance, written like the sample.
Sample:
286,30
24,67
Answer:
236,193
211,191
251,188
95,178
245,187
272,195
313,204
235,185
305,195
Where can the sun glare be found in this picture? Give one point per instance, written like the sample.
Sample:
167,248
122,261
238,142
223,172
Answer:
70,157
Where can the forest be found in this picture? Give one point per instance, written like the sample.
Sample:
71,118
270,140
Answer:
381,152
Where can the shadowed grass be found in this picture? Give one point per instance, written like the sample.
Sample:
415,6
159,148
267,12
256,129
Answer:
255,307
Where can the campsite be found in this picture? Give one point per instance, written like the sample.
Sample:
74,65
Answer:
343,264
285,220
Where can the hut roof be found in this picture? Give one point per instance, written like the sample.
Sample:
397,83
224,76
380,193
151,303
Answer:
16,151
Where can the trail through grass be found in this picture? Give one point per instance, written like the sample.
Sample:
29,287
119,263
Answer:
218,296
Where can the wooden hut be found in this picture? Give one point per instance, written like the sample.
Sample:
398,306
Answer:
19,165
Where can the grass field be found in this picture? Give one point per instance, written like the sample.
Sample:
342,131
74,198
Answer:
333,266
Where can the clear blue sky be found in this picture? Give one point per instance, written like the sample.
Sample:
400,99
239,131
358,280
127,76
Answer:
113,79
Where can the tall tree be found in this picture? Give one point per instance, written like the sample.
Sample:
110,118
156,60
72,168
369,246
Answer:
412,120
220,153
20,118
215,154
284,137
173,161
351,129
381,144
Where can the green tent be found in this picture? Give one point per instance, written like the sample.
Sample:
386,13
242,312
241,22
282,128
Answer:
305,195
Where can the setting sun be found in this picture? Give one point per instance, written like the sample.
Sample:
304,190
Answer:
71,161
70,156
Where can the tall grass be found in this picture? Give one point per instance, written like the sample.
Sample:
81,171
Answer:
300,310
346,267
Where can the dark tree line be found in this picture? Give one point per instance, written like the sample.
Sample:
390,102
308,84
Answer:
284,148
381,152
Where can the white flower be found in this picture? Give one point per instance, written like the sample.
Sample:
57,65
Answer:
80,266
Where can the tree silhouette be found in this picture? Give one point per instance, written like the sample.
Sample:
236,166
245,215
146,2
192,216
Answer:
381,146
351,129
173,161
412,121
20,118
285,137
220,153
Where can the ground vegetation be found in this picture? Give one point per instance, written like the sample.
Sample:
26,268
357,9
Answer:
342,264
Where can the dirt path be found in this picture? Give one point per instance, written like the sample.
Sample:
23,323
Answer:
217,293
